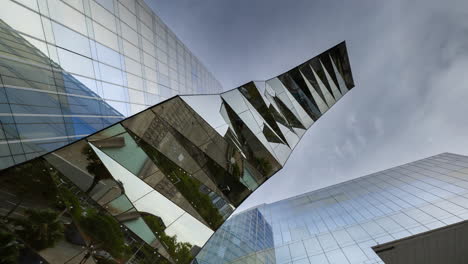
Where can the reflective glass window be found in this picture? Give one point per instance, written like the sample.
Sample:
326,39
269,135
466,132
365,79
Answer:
71,40
75,63
30,22
103,16
108,56
67,15
105,36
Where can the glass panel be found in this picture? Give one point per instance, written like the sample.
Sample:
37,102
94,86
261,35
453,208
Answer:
165,209
80,165
282,254
297,250
107,4
133,186
302,261
235,99
103,16
131,51
108,56
75,63
354,254
105,36
133,66
123,149
71,40
127,16
327,242
139,227
112,75
318,259
336,257
342,237
68,16
312,246
30,22
189,230
207,107
129,34
23,101
186,121
119,205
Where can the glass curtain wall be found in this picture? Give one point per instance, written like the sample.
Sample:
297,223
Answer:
71,68
344,222
154,187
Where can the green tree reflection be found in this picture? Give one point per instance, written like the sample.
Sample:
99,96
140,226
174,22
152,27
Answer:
9,248
41,228
105,232
187,185
95,167
179,251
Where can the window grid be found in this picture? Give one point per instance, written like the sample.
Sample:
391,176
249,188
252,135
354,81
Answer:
340,223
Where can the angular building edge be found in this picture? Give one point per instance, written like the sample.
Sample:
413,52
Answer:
163,180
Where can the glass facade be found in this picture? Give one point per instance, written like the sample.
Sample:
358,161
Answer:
341,223
242,236
70,68
154,187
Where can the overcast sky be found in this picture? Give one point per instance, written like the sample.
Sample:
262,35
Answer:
410,65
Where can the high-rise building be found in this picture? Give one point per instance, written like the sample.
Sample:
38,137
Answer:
153,187
70,68
243,235
406,214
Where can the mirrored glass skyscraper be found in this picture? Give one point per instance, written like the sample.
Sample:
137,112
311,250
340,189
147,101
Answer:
69,68
153,187
346,223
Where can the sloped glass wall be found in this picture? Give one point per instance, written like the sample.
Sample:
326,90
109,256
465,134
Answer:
154,187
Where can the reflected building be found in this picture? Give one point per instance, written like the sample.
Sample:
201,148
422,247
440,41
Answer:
413,213
241,237
224,208
71,68
154,187
42,106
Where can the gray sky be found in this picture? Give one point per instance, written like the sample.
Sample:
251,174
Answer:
410,65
